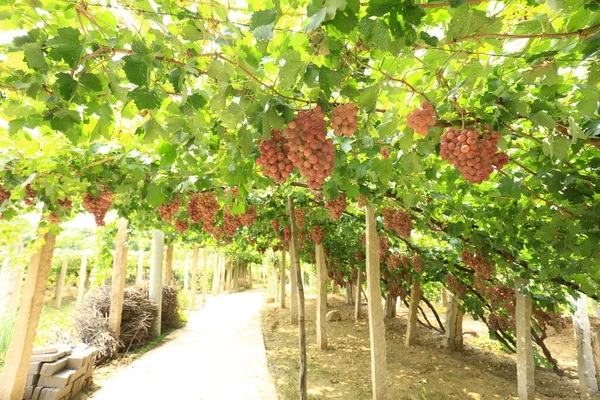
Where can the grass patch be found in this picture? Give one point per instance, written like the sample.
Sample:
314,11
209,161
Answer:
55,322
157,341
6,325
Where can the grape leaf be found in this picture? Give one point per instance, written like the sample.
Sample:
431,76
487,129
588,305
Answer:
34,57
368,98
316,20
90,81
67,46
136,70
288,73
67,86
145,99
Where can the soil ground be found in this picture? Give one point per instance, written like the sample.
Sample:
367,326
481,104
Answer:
425,371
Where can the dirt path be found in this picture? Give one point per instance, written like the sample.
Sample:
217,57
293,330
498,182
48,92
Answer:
219,355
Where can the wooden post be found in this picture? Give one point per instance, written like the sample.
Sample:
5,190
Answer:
300,302
168,279
321,296
525,363
156,275
293,286
118,279
10,287
335,288
349,292
282,279
186,276
453,324
588,383
195,256
376,325
228,279
413,309
250,276
82,276
204,274
139,275
358,300
14,373
215,281
60,285
222,276
444,297
390,306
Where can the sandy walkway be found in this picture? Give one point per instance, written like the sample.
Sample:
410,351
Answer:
219,355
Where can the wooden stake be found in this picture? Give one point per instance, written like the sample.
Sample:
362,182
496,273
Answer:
195,256
82,276
300,301
376,325
204,274
321,297
358,300
139,275
453,324
168,279
525,363
413,309
156,274
14,373
293,286
118,279
60,285
282,283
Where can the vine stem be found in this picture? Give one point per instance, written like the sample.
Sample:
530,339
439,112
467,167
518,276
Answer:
100,162
582,33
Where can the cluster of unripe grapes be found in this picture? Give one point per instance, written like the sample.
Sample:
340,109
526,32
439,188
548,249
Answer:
317,234
473,152
420,119
482,266
343,119
274,157
30,195
336,207
203,207
456,286
181,225
98,205
168,210
399,221
299,213
310,150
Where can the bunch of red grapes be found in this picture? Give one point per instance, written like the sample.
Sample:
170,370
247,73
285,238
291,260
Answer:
384,246
218,233
417,263
474,153
30,195
499,322
482,266
362,200
385,153
405,260
4,195
480,285
168,210
456,286
420,119
66,203
203,207
275,224
181,225
399,221
502,296
310,150
275,157
230,222
287,234
234,191
336,207
248,218
317,234
359,256
343,119
299,213
98,206
393,262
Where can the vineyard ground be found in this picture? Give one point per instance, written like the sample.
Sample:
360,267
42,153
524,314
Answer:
422,372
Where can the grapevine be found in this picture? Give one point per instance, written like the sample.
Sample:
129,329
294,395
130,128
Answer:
474,154
275,158
420,119
98,206
337,206
343,119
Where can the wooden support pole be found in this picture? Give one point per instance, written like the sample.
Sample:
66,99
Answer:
376,325
11,278
335,289
588,383
118,279
168,277
215,280
204,274
358,300
60,285
229,279
82,276
139,275
195,256
14,373
525,362
282,279
349,292
293,286
321,297
413,309
156,274
303,390
453,324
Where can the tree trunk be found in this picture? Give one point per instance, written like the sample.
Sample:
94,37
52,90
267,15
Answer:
376,325
139,275
156,275
321,297
195,255
413,309
14,373
169,265
390,306
358,300
119,274
82,276
282,280
525,362
60,285
293,285
300,300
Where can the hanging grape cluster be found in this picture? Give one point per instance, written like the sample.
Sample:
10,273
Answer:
248,217
417,263
343,119
168,210
385,153
66,203
359,256
181,225
473,153
275,224
274,157
456,286
234,191
336,207
384,246
219,232
499,322
502,296
362,200
393,262
30,195
287,234
482,266
420,119
4,195
203,207
399,221
299,213
98,206
310,150
317,234
230,222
